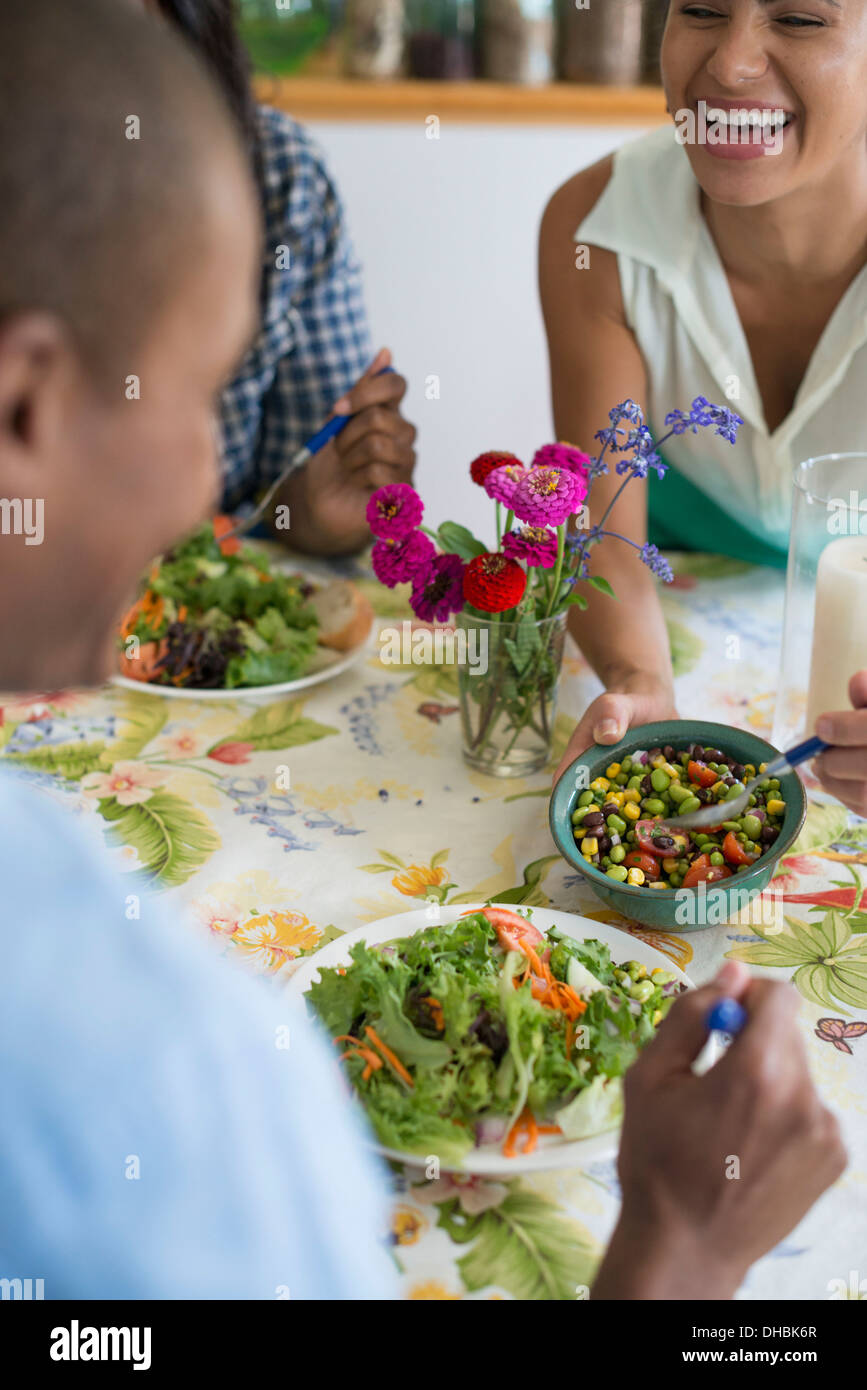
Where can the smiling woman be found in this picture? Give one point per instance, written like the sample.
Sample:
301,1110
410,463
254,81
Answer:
713,267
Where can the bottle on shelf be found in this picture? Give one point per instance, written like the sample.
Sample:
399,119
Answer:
515,41
601,42
374,38
440,39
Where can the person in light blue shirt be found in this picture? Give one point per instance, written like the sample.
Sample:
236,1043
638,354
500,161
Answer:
158,1138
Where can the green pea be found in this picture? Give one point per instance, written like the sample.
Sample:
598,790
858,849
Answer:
579,813
752,800
634,783
701,840
585,799
618,854
734,790
626,763
617,872
617,824
659,780
774,784
678,792
691,803
605,861
717,858
653,806
642,991
753,826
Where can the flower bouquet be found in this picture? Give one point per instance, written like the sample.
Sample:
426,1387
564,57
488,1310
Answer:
514,600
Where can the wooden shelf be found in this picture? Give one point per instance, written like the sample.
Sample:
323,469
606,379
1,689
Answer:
561,103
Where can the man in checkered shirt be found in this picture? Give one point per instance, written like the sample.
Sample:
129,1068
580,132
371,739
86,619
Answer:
312,356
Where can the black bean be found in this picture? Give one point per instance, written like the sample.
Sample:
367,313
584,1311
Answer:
654,753
663,841
604,843
769,834
729,781
668,752
595,818
610,809
646,787
738,771
703,794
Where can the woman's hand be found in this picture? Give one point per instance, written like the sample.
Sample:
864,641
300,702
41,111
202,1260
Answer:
327,499
717,1169
637,699
843,770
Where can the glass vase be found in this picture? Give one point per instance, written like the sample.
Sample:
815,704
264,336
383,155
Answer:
508,699
825,621
600,43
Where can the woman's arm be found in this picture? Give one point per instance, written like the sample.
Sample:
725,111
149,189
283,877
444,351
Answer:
595,364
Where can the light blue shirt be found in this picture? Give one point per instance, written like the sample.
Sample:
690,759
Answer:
156,1140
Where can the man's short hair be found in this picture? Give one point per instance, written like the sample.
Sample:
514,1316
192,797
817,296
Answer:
106,123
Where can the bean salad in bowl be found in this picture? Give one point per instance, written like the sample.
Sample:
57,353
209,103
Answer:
616,822
607,812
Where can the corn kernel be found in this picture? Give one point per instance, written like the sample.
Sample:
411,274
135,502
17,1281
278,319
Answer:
657,970
589,845
612,770
632,794
657,883
657,1018
616,798
670,866
762,767
635,877
718,788
600,784
671,771
775,807
630,810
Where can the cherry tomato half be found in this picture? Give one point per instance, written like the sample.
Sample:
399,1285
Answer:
511,929
735,852
647,863
701,774
644,835
701,870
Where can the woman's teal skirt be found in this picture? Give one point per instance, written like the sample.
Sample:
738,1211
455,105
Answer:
681,517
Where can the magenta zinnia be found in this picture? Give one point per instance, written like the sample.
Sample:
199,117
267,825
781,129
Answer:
547,496
397,562
502,482
535,545
563,455
438,592
393,511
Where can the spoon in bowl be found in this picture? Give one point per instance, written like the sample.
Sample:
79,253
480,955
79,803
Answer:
709,816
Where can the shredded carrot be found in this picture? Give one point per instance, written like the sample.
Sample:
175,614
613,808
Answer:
373,1061
436,1009
570,1038
550,1129
526,1125
389,1056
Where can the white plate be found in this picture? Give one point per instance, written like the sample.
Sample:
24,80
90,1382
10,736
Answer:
332,664
553,1152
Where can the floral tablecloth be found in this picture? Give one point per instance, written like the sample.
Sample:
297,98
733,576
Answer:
272,828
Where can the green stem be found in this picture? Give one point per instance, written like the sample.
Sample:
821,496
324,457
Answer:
179,762
558,571
499,532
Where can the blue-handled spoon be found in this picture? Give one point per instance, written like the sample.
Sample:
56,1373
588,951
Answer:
710,815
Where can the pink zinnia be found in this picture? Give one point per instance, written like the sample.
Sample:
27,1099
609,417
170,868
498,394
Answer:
563,455
547,496
537,545
397,562
439,591
502,482
394,510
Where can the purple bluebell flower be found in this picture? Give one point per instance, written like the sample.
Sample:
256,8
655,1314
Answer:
656,563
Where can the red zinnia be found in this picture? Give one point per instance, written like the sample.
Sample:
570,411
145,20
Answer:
494,583
486,463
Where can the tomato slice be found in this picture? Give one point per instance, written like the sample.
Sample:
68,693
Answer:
701,870
512,929
735,852
701,774
646,832
648,863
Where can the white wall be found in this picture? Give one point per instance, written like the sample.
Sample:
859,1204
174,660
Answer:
447,233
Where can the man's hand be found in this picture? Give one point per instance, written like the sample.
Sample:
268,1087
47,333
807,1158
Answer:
843,770
637,699
717,1169
327,498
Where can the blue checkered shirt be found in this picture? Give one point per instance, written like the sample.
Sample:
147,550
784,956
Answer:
313,343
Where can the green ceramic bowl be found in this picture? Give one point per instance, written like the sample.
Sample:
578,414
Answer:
677,909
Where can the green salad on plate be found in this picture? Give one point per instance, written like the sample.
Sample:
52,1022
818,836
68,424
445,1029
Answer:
488,1031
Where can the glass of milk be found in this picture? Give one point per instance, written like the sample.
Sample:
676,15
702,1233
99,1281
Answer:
825,624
